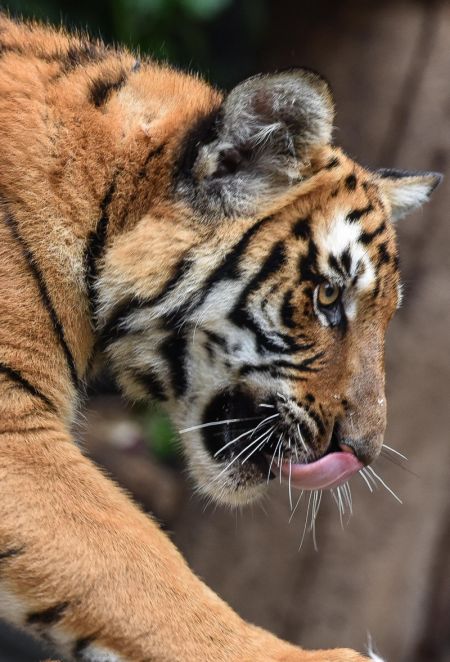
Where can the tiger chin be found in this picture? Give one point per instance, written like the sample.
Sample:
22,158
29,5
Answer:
224,259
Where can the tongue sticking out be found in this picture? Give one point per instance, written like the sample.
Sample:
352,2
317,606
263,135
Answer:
330,471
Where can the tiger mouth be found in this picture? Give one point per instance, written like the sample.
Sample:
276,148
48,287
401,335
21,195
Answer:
245,442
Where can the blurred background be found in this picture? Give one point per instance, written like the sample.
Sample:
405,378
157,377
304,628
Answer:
387,571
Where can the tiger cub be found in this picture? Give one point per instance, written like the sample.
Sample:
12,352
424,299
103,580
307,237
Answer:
220,255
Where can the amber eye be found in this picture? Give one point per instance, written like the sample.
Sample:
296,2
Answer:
327,294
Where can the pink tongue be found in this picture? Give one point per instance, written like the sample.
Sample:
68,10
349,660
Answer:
330,471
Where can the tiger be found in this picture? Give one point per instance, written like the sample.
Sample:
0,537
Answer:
224,259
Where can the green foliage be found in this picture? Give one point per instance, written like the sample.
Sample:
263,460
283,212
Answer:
219,38
159,433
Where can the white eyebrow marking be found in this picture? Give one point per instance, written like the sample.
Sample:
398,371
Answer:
343,236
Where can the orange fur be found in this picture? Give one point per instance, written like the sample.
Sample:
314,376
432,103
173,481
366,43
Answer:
70,540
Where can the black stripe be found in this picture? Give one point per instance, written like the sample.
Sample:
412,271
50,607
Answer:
81,54
229,268
332,163
357,214
149,380
317,420
368,237
102,88
81,645
216,339
44,294
18,378
114,329
334,264
346,260
96,244
203,131
240,316
383,254
174,351
48,616
10,553
350,182
304,366
301,228
308,265
276,373
287,310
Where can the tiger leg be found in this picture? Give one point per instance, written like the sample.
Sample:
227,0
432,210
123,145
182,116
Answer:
82,567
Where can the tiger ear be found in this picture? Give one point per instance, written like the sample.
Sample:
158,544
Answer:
262,137
407,190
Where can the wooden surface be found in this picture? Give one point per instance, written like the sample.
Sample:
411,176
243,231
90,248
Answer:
388,571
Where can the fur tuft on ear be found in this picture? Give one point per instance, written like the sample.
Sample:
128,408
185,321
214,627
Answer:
407,190
263,135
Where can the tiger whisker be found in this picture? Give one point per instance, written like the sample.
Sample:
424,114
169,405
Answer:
348,496
365,480
263,404
268,433
341,507
398,463
389,448
302,440
290,486
233,441
306,521
273,456
315,510
391,491
244,450
369,477
296,506
265,420
213,423
280,460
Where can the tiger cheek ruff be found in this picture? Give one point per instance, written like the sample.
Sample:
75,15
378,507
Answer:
226,260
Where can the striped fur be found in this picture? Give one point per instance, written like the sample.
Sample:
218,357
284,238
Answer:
183,237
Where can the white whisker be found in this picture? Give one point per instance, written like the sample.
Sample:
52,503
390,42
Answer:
365,480
290,486
263,404
233,441
315,510
348,497
341,507
306,521
268,434
370,478
265,420
385,485
273,456
302,440
394,451
296,505
213,423
280,459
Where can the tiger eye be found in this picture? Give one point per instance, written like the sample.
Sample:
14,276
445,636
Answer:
328,294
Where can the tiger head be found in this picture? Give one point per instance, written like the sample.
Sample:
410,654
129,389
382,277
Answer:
254,309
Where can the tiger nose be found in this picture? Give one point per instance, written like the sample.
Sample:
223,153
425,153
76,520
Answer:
366,449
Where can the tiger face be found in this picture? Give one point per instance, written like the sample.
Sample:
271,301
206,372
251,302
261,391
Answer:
260,327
